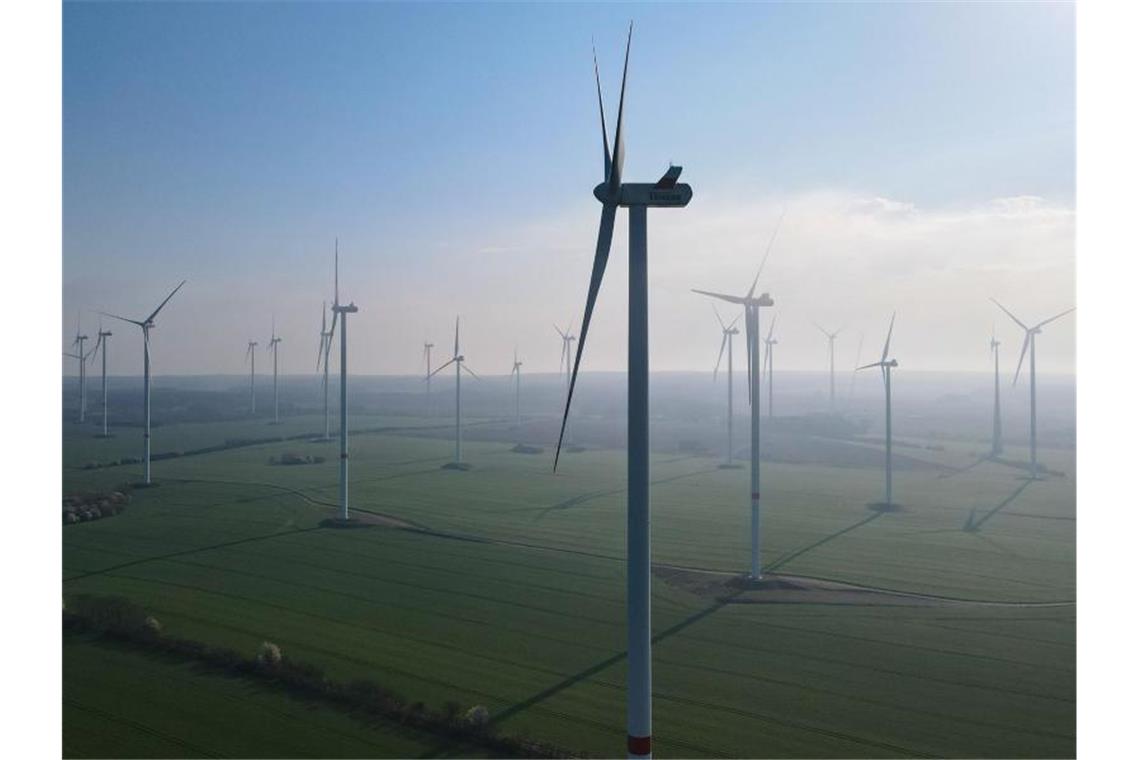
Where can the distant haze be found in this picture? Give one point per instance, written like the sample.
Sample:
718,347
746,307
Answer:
922,155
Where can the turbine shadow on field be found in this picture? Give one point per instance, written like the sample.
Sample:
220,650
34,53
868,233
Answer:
598,667
574,501
973,526
967,468
826,539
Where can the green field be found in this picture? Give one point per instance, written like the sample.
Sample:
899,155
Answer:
509,593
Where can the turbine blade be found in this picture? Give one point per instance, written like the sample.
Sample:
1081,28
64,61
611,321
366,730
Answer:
1010,313
1050,319
154,313
124,319
721,296
469,371
442,366
614,177
1024,348
718,319
767,251
336,273
456,336
733,322
602,113
771,327
868,366
764,363
887,345
719,356
601,257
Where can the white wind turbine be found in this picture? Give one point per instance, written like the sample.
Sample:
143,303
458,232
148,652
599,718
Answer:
342,311
458,360
145,325
637,197
101,343
1030,345
564,359
251,357
831,336
886,365
996,447
274,340
769,356
752,305
82,358
727,333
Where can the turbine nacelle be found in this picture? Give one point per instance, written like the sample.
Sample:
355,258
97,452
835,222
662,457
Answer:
646,194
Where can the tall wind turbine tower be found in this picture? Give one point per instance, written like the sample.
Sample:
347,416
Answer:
886,365
458,360
101,343
1030,345
752,305
146,325
831,336
727,333
251,356
637,197
516,370
769,356
342,311
274,340
996,448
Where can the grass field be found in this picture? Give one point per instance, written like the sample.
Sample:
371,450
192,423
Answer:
511,595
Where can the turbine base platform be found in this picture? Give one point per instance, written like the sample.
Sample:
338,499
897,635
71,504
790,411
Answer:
522,448
882,506
342,524
140,484
461,466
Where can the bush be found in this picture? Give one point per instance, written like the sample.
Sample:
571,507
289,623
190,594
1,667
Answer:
477,717
269,655
151,624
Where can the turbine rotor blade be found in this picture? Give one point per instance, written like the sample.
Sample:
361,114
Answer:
469,371
719,356
868,366
767,251
722,296
154,313
1010,313
887,345
718,319
602,113
1024,348
442,366
1039,325
601,257
124,319
614,178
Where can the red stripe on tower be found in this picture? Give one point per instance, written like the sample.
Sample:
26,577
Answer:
640,745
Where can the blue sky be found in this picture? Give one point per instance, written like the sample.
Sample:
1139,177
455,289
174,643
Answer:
452,148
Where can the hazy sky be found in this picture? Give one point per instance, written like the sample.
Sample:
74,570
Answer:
924,155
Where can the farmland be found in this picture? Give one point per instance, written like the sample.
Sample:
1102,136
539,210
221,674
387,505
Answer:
504,587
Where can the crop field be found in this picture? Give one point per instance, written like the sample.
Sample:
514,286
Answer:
504,586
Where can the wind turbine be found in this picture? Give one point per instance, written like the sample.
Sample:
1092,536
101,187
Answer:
1030,345
82,357
251,356
752,305
338,310
831,360
323,357
427,376
568,339
727,333
516,370
995,450
458,360
769,355
146,325
274,340
101,343
637,197
886,365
